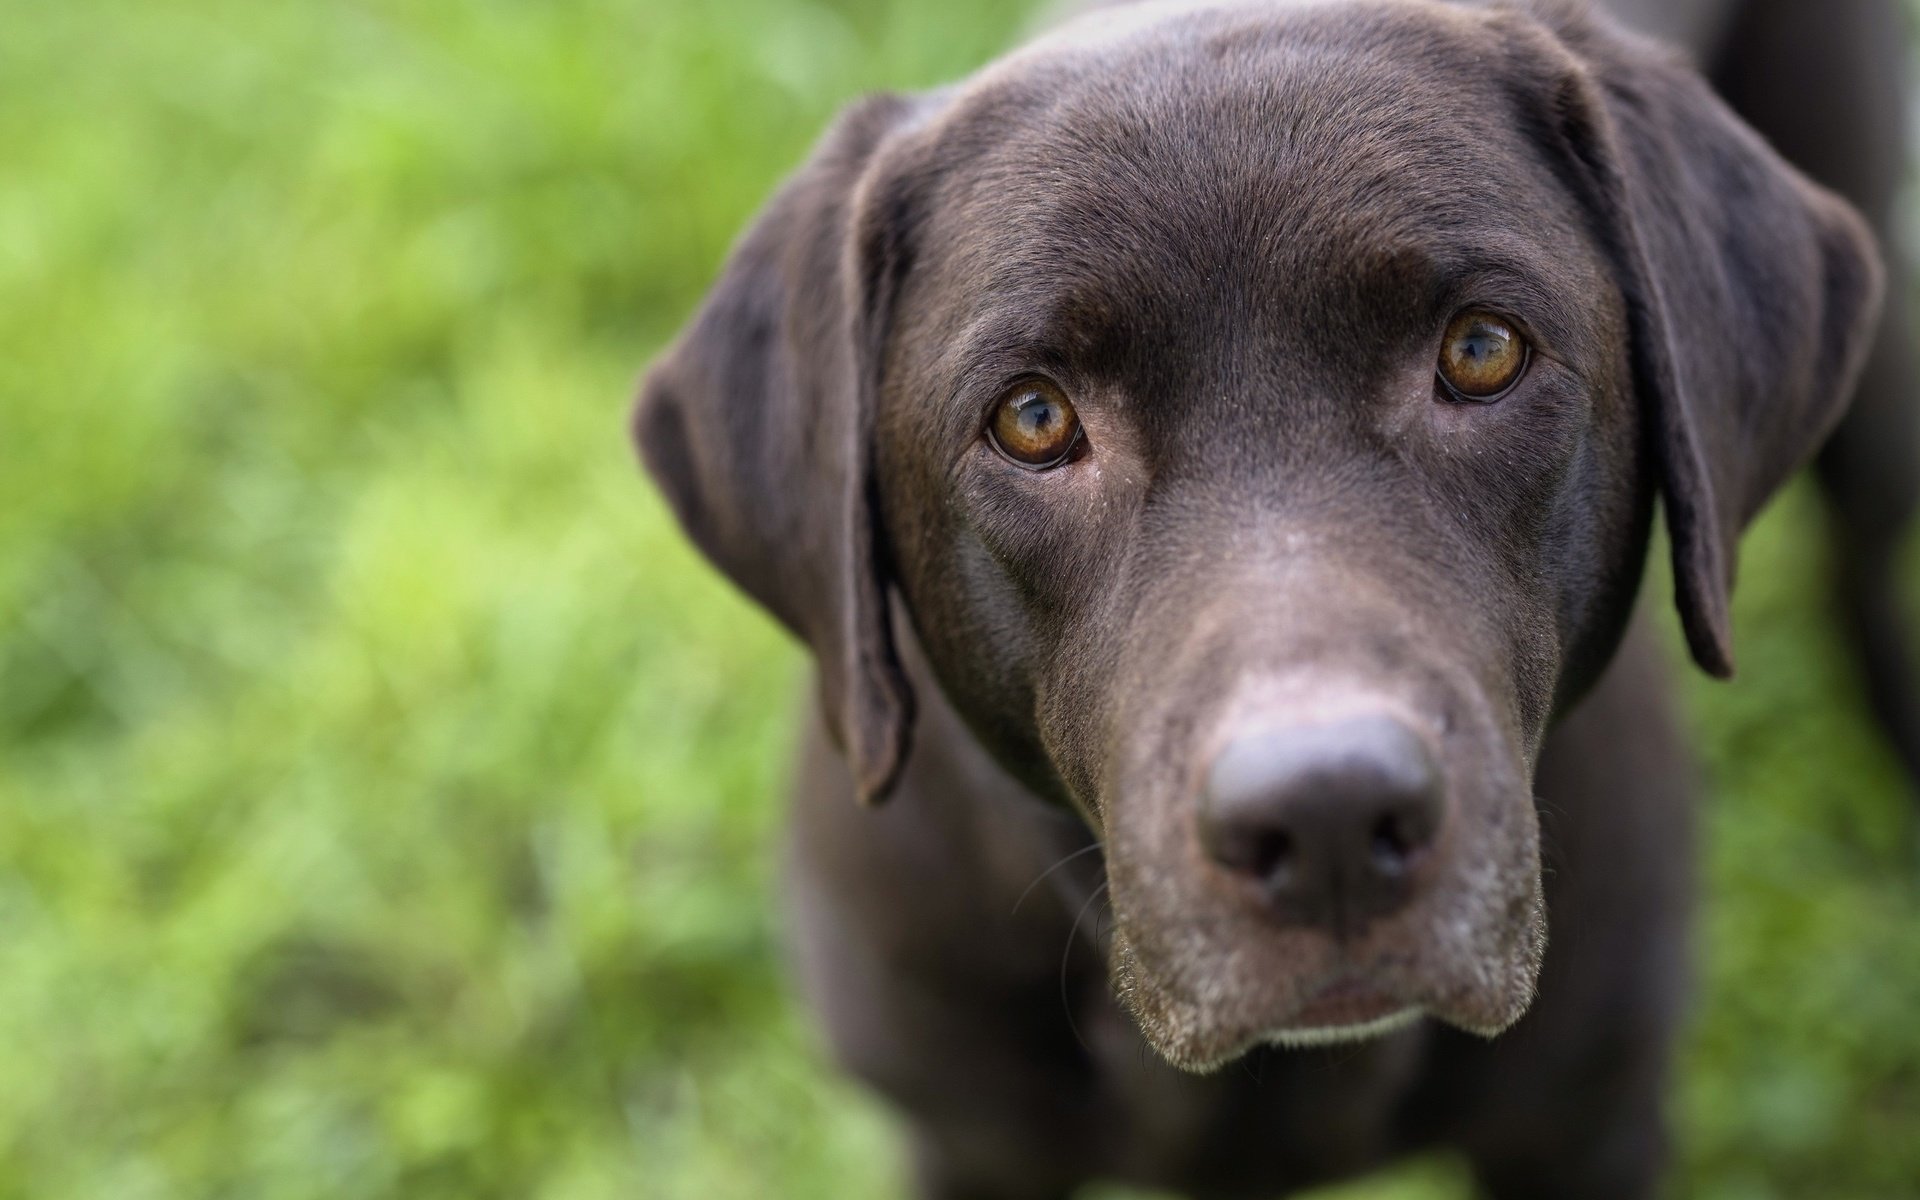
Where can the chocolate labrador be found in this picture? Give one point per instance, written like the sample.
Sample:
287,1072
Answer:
1230,434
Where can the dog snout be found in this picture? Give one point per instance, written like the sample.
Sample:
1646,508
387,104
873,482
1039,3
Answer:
1330,821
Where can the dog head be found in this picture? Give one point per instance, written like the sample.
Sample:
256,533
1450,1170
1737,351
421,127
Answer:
1259,411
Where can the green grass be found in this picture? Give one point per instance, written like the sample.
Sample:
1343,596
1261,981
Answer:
387,794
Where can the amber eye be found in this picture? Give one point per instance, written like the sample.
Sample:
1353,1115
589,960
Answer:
1482,356
1035,425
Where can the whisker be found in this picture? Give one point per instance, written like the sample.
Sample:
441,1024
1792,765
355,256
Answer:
1066,954
1082,851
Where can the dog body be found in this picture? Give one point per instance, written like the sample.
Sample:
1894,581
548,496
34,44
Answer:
1270,688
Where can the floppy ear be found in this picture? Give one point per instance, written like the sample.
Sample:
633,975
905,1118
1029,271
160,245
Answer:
1752,295
757,426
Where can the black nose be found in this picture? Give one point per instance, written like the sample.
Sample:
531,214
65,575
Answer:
1330,819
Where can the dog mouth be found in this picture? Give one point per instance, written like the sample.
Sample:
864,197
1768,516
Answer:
1200,1011
1347,1009
1339,1035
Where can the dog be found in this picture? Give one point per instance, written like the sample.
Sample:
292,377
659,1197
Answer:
1211,454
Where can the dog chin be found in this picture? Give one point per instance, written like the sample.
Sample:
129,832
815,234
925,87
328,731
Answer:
1203,1055
1292,1037
1205,1032
1206,1057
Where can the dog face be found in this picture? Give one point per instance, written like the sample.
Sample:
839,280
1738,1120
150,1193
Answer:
1259,409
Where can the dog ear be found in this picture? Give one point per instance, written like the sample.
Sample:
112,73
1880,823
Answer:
757,423
1752,296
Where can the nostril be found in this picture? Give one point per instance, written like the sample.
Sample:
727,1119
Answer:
1272,854
1391,850
1256,848
1399,834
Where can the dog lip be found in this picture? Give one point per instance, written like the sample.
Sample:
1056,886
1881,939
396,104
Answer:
1334,1035
1346,1001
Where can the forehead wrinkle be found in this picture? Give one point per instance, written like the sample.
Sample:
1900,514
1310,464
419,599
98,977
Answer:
1129,318
1195,185
1205,89
1212,189
1076,330
1097,266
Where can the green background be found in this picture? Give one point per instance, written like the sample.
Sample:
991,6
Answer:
387,795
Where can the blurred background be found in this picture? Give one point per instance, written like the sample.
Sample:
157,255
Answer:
388,797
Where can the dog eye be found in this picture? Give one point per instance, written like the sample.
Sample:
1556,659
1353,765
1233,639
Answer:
1481,356
1035,425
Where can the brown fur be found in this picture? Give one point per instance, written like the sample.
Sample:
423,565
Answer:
1231,234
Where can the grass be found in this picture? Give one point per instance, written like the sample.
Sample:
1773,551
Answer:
387,794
